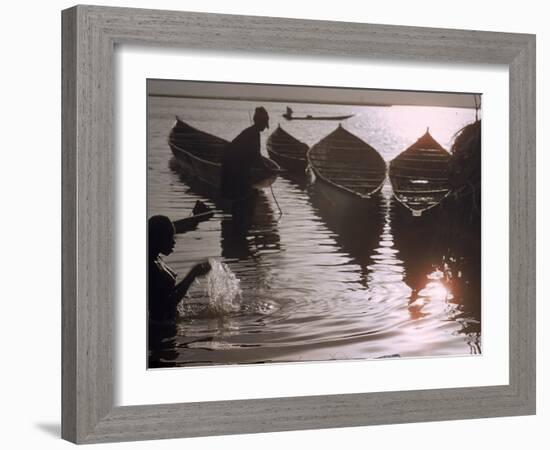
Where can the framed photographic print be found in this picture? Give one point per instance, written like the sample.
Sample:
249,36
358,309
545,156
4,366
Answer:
319,210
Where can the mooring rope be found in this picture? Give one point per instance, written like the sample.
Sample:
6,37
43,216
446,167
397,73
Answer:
276,202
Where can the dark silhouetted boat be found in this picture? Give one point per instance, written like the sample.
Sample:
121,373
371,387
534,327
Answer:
199,155
420,176
288,115
287,151
348,169
465,175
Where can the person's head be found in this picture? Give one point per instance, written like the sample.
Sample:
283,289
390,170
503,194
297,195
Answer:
161,235
261,118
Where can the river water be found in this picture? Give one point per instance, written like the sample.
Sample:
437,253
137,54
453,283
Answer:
311,286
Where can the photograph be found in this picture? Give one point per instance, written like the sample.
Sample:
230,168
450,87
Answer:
304,223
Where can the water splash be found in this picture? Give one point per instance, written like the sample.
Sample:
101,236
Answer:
222,288
221,294
219,299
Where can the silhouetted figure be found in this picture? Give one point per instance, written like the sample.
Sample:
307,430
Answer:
288,114
241,155
164,291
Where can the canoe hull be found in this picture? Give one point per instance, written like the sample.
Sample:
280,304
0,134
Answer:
348,170
419,177
343,204
296,166
204,171
343,201
210,173
287,151
188,146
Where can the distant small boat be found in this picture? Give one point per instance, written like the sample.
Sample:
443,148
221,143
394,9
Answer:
288,116
347,166
199,155
287,151
420,176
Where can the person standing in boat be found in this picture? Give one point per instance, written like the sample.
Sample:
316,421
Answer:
164,292
288,114
240,156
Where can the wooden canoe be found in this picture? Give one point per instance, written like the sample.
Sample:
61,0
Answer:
419,175
349,167
199,155
287,151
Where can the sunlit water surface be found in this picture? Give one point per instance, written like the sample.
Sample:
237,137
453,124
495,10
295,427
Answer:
303,286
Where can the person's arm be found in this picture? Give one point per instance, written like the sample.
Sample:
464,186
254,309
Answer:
183,286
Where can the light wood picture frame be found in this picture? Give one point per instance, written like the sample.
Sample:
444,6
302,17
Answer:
90,34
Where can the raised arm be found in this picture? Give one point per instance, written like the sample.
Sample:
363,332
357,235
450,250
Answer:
183,286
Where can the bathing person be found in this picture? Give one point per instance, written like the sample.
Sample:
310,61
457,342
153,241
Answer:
164,292
241,155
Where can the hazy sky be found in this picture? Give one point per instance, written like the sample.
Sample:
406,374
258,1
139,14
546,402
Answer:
309,94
